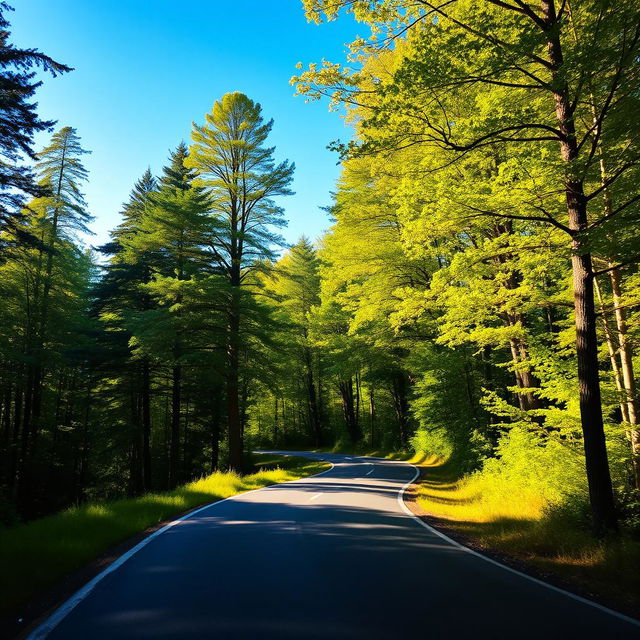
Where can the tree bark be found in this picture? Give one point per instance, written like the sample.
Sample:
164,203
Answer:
146,426
314,414
596,461
174,447
628,377
372,415
348,409
613,358
401,405
236,448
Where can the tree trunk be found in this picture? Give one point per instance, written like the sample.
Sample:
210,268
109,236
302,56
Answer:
174,447
314,414
146,426
236,448
348,410
15,437
399,393
275,418
372,415
596,461
612,349
628,378
597,464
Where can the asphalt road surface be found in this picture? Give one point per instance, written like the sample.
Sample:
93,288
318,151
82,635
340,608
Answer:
331,556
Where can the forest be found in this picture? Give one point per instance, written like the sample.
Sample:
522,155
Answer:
476,297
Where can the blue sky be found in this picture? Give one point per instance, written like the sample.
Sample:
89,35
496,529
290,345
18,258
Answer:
145,69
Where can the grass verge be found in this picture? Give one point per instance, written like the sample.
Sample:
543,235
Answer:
34,556
556,544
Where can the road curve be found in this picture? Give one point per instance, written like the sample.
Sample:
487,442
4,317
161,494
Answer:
335,555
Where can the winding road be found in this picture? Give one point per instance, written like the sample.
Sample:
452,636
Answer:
336,555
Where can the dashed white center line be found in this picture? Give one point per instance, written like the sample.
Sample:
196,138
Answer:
314,497
369,472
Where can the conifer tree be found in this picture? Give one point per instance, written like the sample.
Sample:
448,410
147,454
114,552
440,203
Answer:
61,211
118,295
241,180
19,122
173,228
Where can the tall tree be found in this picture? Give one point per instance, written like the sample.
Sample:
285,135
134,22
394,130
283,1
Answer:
174,229
241,179
60,212
118,295
296,285
19,122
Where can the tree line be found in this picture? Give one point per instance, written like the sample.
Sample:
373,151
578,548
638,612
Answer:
496,144
126,367
476,296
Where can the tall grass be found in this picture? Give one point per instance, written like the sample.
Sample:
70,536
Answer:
553,537
35,555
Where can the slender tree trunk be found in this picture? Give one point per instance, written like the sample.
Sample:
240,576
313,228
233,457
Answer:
146,425
215,441
314,414
15,437
236,448
186,458
174,446
348,409
628,378
358,394
596,461
5,477
612,349
275,418
469,385
401,404
372,415
81,477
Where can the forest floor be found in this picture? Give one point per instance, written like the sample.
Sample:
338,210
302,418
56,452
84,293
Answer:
556,547
46,560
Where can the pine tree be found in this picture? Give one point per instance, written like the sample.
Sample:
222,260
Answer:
19,122
118,295
241,180
61,211
173,229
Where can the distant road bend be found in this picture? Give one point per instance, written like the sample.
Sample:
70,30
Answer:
336,555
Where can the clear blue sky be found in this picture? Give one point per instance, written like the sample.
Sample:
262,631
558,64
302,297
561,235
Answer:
145,69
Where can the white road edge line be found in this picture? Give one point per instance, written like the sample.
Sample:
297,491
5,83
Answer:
453,542
44,629
314,497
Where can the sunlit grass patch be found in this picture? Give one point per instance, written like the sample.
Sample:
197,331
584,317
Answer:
35,555
523,524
